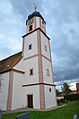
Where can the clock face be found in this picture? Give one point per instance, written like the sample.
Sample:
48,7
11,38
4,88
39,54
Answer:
31,21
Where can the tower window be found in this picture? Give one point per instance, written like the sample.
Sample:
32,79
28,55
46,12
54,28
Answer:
49,89
47,72
30,47
45,48
31,72
30,28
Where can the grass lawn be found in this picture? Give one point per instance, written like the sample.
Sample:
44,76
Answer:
66,112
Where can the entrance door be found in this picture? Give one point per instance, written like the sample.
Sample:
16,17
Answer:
30,101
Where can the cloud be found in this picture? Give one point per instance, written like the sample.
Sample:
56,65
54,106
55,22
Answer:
10,44
11,30
5,8
71,83
62,22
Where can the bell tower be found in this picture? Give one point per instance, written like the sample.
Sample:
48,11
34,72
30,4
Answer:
35,21
38,63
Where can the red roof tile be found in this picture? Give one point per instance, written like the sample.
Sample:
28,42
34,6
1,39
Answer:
10,62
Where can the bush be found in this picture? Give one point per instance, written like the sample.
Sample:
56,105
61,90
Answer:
71,97
60,102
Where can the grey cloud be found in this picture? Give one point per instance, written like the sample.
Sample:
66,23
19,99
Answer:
62,18
24,7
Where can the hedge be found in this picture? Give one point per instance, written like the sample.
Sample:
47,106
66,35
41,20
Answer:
71,97
60,102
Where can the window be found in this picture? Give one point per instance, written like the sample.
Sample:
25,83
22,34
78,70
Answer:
30,28
47,72
49,89
45,48
30,47
31,72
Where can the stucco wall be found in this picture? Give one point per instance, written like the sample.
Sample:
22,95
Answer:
47,65
18,92
31,63
50,99
0,93
43,26
37,22
30,39
32,90
4,90
44,41
20,65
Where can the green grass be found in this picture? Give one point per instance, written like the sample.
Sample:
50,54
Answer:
65,112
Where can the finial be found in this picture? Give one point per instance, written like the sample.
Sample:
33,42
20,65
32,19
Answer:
35,6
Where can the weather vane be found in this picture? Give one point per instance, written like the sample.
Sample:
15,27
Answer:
35,6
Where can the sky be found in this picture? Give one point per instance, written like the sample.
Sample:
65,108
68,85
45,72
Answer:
62,26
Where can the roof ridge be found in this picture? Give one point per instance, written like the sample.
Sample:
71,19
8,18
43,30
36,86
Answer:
10,56
8,63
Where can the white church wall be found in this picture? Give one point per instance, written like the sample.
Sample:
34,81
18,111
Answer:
18,92
37,22
44,41
47,65
0,93
43,26
31,63
32,90
4,90
20,65
50,99
30,39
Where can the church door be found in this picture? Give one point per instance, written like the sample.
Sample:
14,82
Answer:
30,101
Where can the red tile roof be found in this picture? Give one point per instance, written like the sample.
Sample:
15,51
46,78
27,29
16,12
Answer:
8,63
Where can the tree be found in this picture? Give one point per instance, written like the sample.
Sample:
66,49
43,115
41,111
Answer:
65,89
57,92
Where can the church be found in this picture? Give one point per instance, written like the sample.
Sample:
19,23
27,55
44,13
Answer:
26,78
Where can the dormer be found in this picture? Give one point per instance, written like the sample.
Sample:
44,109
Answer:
34,21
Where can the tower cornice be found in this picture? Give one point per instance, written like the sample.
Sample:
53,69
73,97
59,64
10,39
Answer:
34,31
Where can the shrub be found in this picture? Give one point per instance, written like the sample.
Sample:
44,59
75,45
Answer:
71,97
60,102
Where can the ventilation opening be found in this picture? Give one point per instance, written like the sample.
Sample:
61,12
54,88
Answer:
49,89
31,72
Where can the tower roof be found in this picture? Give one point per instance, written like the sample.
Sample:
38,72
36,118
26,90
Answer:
35,14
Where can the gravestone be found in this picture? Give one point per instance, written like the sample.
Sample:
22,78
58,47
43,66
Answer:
75,116
24,116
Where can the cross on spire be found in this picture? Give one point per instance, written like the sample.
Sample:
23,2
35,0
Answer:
35,6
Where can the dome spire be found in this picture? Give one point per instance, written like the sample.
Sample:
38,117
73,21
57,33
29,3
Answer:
35,6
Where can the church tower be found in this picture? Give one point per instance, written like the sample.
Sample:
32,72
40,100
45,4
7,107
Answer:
39,88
